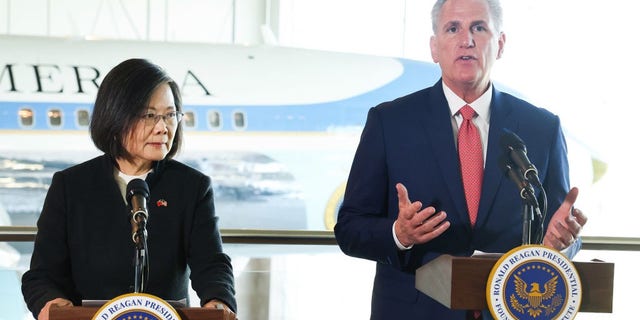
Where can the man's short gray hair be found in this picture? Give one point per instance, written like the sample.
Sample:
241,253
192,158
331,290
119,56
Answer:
495,9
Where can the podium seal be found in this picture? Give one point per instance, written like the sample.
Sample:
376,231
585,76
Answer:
534,282
136,306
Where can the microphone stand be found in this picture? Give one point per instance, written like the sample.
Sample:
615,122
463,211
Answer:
527,220
530,210
141,257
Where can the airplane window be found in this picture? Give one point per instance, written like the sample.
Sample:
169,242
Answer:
189,119
215,122
83,118
239,120
26,117
55,117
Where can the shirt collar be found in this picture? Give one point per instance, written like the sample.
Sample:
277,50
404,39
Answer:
480,105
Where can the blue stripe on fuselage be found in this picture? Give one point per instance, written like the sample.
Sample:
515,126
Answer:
350,112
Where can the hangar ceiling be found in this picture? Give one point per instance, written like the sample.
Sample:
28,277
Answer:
398,28
217,21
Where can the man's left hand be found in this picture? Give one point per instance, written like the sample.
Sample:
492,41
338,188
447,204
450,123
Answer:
566,223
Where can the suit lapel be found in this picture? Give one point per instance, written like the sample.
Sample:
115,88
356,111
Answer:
437,126
502,116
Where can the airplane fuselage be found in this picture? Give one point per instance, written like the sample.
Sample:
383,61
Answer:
275,128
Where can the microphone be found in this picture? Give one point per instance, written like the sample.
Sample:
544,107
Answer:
526,191
517,151
137,195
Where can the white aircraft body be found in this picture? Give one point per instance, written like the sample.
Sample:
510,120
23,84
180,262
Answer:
275,128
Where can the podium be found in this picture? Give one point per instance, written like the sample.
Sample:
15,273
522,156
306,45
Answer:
460,282
87,313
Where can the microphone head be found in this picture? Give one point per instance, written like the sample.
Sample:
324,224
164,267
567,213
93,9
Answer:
137,186
510,141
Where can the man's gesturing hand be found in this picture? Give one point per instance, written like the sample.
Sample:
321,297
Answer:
415,226
566,223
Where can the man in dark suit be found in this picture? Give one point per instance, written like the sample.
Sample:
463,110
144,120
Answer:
407,201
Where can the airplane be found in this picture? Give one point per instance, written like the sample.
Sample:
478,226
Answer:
275,128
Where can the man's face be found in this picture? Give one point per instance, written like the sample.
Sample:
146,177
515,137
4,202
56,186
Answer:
466,44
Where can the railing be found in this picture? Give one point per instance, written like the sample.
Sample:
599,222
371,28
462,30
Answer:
304,237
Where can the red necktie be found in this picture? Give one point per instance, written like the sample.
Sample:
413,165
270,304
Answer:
471,159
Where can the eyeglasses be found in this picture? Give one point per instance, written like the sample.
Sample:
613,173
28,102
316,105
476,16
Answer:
170,118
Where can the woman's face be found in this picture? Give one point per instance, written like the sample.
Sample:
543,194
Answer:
152,136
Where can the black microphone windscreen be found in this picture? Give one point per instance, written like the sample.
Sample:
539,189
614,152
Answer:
137,186
510,141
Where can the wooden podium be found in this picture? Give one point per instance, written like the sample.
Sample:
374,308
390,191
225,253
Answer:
87,313
460,282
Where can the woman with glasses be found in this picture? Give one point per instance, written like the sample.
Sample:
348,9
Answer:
84,248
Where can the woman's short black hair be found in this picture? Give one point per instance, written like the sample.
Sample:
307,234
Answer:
122,98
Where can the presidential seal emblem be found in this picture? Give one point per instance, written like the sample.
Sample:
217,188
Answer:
140,306
534,282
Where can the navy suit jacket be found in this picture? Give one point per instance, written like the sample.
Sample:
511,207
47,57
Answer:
411,140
